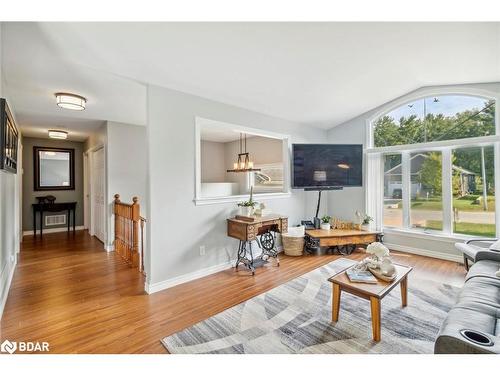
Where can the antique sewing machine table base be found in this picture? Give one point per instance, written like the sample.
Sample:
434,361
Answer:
267,243
261,230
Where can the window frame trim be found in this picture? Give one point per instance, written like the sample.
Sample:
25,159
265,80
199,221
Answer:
374,185
198,199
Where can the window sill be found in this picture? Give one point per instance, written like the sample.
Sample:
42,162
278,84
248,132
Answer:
450,238
238,198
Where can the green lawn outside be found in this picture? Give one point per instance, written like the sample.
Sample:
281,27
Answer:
471,229
436,204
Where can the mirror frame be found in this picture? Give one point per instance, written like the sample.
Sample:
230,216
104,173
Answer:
36,168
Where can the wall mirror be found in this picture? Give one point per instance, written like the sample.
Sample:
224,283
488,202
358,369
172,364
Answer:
231,160
54,168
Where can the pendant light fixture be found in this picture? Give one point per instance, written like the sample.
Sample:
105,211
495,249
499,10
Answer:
243,164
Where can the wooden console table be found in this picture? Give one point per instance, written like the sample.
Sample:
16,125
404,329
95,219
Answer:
342,240
53,207
263,230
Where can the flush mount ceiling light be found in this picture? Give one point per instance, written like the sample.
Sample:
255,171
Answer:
58,134
70,101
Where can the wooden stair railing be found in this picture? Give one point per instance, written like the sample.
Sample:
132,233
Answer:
128,222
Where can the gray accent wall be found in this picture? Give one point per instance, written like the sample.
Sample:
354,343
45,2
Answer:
29,194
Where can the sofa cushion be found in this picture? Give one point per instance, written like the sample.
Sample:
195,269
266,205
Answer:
480,291
477,309
484,268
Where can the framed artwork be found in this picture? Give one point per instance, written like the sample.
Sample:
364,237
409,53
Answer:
9,138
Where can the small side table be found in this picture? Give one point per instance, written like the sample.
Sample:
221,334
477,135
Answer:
372,292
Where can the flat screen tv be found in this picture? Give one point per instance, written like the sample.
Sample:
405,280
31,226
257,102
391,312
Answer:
326,166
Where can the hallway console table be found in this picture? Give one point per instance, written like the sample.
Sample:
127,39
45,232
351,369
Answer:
69,207
261,229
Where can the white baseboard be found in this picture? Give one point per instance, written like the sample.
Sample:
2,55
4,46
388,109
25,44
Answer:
156,287
52,230
6,276
109,248
427,253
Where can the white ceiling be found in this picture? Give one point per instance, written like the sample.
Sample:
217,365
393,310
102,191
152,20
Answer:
319,74
221,134
35,69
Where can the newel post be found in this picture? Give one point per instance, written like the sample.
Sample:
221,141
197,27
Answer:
136,217
116,234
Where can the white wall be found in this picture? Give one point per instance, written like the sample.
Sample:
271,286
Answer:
9,216
177,228
96,138
126,167
344,203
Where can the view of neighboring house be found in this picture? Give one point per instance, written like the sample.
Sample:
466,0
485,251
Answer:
393,176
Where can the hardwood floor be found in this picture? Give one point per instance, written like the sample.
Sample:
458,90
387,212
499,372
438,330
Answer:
68,291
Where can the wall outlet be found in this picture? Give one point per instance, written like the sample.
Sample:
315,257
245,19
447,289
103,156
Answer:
202,250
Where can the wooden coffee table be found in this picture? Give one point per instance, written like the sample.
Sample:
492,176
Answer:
372,292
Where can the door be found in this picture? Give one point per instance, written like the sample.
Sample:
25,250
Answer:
86,191
98,195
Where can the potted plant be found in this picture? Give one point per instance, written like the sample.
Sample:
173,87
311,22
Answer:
247,207
325,222
365,224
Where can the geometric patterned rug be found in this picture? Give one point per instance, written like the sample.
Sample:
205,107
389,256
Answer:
295,317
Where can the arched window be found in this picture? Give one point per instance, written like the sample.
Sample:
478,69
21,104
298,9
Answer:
437,155
436,118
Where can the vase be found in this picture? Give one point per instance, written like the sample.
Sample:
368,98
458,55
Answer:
325,226
365,227
246,211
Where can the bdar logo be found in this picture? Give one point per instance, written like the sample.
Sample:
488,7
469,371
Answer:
8,347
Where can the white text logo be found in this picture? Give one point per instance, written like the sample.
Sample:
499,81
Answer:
24,346
8,347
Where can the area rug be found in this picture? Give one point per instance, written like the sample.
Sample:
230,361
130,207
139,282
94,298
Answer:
296,318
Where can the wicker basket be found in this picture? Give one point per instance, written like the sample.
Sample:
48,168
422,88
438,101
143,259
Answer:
293,246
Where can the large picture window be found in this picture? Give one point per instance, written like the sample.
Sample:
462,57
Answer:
474,191
426,209
438,155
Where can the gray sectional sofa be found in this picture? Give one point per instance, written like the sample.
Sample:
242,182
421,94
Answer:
473,324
